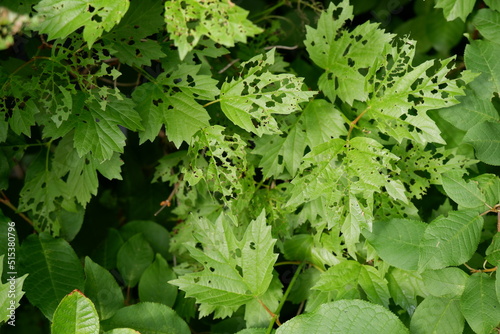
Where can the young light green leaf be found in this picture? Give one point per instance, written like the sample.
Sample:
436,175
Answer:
484,138
221,21
147,318
75,314
479,303
59,18
235,272
397,241
450,241
446,282
322,121
154,286
134,256
255,314
345,316
102,289
453,9
437,315
250,101
54,271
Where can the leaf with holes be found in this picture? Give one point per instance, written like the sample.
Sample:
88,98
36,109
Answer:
235,271
59,18
250,101
220,20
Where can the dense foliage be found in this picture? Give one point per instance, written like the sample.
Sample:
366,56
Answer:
189,166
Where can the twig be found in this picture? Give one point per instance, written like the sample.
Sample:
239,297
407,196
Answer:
168,201
283,47
5,200
229,65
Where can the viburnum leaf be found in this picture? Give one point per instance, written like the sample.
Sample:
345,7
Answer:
480,57
59,18
487,21
235,271
250,101
466,194
220,20
438,315
484,138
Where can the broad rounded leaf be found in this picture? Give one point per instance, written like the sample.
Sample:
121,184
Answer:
397,241
345,316
156,235
75,315
484,137
154,286
450,241
446,282
479,303
148,318
102,288
133,258
54,271
438,315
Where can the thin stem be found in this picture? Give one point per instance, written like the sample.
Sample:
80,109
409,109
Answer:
353,123
212,102
285,296
5,200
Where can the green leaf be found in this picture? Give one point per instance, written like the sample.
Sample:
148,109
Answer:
343,280
97,128
475,107
345,316
404,287
147,318
453,9
397,241
493,250
59,18
105,254
255,314
322,121
133,258
479,303
102,288
446,282
156,235
154,286
23,119
235,271
122,331
466,194
480,57
487,21
484,138
10,292
437,315
493,4
250,101
222,21
450,241
75,314
54,271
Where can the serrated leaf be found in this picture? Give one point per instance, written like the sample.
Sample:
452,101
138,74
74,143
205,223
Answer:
97,130
235,272
322,122
22,119
450,241
134,256
397,241
154,286
337,51
479,303
255,314
480,57
486,142
250,101
466,194
59,18
487,21
453,9
102,289
147,318
345,316
137,52
446,282
493,250
220,20
437,315
75,314
54,271
404,287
